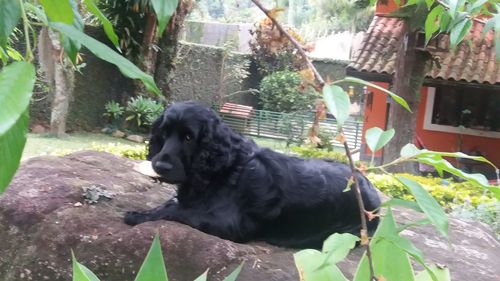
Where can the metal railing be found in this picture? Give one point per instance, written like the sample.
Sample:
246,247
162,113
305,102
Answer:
291,127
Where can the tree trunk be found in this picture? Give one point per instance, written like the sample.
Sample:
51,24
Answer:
147,60
168,46
411,68
60,77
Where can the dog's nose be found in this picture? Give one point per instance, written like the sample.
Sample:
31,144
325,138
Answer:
162,167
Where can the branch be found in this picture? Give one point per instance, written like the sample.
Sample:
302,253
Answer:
294,42
357,191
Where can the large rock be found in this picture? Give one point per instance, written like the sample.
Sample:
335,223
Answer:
43,216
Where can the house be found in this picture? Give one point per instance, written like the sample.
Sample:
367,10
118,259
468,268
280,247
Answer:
460,101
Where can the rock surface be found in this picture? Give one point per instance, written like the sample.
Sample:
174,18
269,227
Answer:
43,216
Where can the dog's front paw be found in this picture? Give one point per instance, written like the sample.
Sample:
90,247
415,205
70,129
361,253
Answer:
133,218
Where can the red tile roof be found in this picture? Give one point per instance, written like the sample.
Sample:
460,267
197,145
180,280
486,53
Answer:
469,62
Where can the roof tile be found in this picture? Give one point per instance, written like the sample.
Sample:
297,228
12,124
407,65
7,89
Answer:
474,59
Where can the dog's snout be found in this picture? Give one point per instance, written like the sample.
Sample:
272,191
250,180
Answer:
162,167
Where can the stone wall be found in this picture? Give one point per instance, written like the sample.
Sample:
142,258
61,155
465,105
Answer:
197,76
96,84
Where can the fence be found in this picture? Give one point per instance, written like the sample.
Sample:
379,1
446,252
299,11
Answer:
291,127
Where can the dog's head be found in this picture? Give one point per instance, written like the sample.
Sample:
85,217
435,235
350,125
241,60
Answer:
190,140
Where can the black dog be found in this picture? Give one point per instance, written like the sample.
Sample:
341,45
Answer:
231,188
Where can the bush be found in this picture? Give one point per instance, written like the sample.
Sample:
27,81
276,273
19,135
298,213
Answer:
446,191
281,91
488,213
311,152
114,111
143,110
129,151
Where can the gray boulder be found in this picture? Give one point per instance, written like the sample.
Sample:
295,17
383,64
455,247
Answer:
77,202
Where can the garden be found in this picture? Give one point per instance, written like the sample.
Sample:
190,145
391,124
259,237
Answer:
71,169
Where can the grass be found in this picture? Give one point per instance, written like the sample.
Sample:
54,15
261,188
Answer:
41,144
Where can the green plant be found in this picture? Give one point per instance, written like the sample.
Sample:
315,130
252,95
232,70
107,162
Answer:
306,151
447,192
143,110
129,151
488,213
113,111
283,91
153,268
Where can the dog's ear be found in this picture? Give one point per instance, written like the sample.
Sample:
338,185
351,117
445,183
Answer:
156,141
216,146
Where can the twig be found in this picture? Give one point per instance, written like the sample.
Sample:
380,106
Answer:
294,42
364,228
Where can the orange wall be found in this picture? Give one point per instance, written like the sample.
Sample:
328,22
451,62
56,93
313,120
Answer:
433,140
375,114
442,141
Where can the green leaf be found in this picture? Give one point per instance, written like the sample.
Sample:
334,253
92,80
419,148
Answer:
444,22
202,277
16,86
11,149
431,24
391,235
153,267
402,203
234,274
164,9
384,250
428,204
377,138
476,6
307,262
104,52
80,272
58,10
10,12
459,31
72,47
337,247
453,7
106,24
441,273
395,97
41,16
337,101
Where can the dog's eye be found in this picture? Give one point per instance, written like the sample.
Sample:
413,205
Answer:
187,137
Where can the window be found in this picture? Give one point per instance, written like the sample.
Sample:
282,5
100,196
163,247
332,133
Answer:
464,110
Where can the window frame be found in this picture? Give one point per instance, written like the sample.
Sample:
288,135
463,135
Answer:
428,125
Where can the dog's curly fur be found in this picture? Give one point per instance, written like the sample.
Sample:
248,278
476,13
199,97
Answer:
231,188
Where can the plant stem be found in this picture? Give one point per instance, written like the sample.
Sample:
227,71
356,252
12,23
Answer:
357,191
294,41
29,53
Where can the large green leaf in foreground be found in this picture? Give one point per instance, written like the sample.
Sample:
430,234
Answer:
16,86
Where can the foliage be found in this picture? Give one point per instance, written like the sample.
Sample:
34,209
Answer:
312,152
153,268
143,110
272,51
124,150
488,213
114,111
448,192
283,91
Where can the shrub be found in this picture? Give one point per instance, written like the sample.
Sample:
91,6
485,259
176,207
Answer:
488,213
124,150
311,152
114,111
446,191
143,110
282,91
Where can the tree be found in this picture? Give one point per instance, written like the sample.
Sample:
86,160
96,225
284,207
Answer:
433,17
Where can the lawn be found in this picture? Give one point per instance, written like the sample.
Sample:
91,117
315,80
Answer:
42,144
